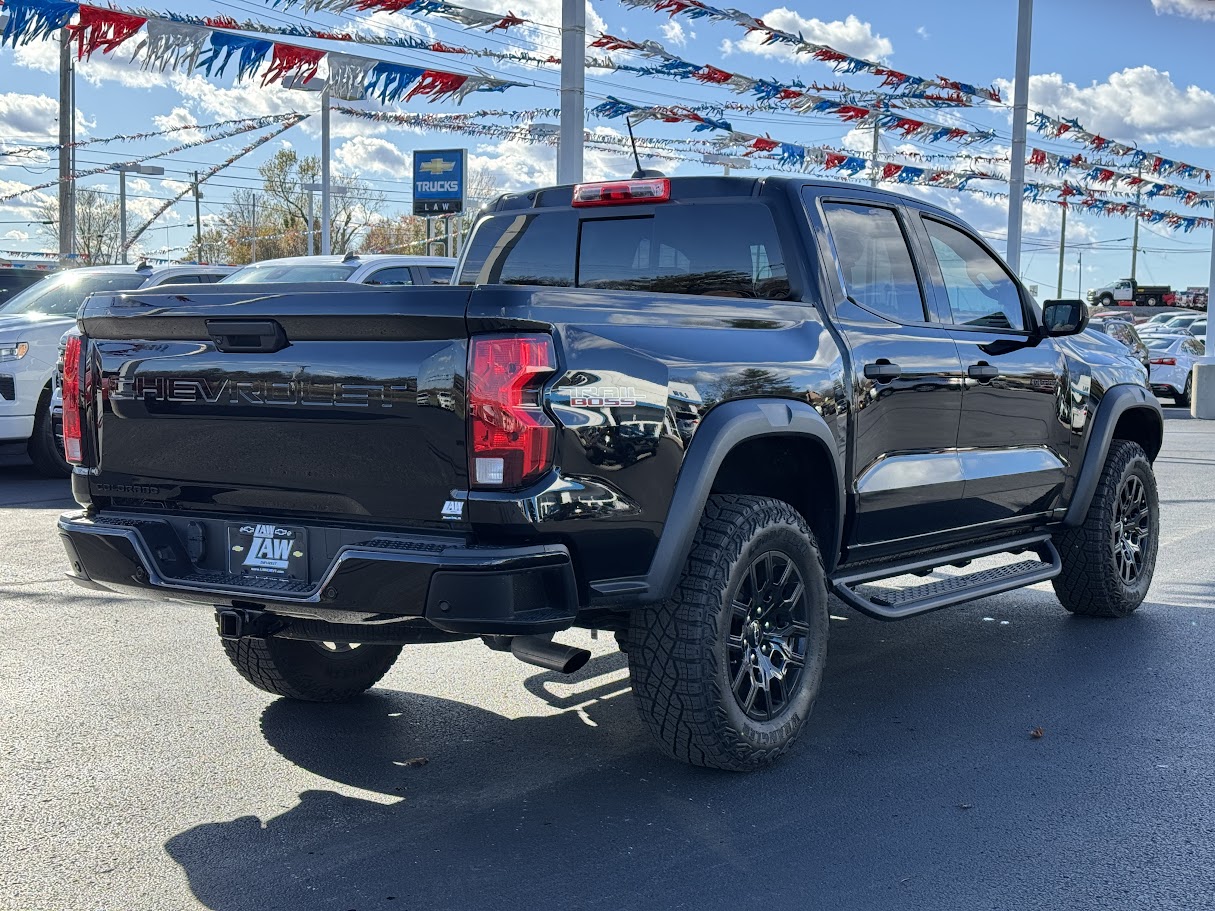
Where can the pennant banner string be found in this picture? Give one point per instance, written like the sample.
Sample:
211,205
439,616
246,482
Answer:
1054,127
289,121
213,48
252,123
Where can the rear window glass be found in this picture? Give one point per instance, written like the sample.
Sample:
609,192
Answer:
312,272
722,250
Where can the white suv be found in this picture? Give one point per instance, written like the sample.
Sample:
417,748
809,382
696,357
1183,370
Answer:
31,324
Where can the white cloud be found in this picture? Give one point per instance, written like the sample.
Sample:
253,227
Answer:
32,120
178,117
674,33
1196,9
43,56
1137,103
923,32
852,36
17,235
365,154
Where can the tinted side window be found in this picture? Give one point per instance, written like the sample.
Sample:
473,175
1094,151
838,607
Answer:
981,293
875,262
399,275
721,250
532,249
181,280
439,274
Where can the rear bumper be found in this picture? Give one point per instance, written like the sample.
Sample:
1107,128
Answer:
455,587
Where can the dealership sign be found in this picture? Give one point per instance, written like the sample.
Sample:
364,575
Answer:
438,182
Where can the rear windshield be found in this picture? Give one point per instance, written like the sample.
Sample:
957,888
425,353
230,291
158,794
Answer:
1160,344
62,294
726,250
308,272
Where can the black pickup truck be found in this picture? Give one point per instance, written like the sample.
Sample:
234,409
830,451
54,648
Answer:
681,410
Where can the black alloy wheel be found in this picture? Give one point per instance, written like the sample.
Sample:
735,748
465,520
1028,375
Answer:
769,635
1131,530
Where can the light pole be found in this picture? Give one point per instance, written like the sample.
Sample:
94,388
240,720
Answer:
573,91
326,247
123,169
1016,183
197,219
321,86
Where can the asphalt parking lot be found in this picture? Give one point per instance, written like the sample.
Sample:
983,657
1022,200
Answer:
138,771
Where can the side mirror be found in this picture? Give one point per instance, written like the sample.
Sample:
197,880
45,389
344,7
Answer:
1064,317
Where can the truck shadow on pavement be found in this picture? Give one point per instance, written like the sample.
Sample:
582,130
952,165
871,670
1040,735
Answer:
918,784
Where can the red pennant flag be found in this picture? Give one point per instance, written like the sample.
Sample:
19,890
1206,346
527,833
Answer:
1037,157
437,84
849,113
789,94
102,30
890,171
712,74
907,126
763,145
833,160
289,59
510,20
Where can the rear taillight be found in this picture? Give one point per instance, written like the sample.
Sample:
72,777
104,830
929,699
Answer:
1165,361
71,400
620,192
511,438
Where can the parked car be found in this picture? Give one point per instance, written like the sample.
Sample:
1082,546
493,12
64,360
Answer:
16,277
31,325
1172,326
1172,371
1123,330
680,410
367,269
1158,319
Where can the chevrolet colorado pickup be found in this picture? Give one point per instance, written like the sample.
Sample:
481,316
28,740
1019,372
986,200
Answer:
681,410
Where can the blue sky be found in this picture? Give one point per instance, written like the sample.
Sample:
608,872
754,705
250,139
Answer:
1137,71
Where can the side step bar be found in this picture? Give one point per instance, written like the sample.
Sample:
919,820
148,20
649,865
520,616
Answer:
856,589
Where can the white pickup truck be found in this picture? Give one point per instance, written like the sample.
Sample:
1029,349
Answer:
31,324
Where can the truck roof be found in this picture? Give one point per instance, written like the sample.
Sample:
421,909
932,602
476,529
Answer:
702,187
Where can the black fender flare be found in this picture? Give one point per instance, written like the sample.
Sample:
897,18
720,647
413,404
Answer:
722,428
1116,402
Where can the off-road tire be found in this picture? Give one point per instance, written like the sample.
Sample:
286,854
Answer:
679,650
1183,397
309,671
1091,583
43,449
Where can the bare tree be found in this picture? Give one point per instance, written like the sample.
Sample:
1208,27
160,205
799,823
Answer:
96,239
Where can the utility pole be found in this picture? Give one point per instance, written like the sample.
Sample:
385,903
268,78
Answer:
1062,250
67,130
326,190
1016,183
573,91
1079,274
198,220
311,247
873,177
1135,228
253,229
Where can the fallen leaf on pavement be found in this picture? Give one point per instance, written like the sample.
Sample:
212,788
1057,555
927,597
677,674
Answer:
1037,733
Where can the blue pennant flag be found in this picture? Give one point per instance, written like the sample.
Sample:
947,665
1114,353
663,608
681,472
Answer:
793,155
909,174
250,52
613,108
389,81
35,20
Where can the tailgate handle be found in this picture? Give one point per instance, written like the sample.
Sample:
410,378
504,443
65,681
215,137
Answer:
242,336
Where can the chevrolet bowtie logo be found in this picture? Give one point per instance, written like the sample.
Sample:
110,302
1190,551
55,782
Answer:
437,166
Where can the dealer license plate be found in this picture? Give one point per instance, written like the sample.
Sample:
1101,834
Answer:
267,550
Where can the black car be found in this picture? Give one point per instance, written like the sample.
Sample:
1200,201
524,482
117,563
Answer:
680,410
14,280
1123,330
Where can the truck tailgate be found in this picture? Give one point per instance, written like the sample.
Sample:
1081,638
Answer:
343,401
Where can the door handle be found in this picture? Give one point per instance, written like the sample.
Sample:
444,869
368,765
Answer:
883,371
247,336
982,371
